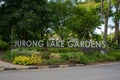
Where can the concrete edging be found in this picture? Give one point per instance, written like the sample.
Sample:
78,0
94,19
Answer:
39,67
1,68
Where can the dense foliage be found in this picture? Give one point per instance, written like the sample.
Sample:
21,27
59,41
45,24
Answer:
42,19
34,57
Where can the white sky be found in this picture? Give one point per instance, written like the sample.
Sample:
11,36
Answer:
110,22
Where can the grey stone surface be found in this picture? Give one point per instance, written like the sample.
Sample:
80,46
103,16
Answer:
10,65
110,71
1,68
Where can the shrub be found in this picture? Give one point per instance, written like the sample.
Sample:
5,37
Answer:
91,59
68,49
63,50
36,48
45,55
36,59
110,58
23,52
72,57
3,45
27,60
64,57
96,57
22,60
99,56
55,50
115,54
115,47
82,58
9,56
55,56
77,58
52,61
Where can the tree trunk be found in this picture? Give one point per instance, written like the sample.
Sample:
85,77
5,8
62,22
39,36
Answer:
119,40
116,36
106,29
105,16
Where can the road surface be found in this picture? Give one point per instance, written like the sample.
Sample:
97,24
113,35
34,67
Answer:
110,71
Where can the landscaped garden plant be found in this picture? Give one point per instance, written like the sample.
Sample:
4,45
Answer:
28,60
34,57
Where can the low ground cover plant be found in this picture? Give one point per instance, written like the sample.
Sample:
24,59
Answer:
28,60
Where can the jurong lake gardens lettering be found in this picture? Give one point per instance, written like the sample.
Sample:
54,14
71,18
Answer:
59,43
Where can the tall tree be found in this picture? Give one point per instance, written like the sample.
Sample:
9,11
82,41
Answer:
27,19
61,10
105,9
116,5
84,20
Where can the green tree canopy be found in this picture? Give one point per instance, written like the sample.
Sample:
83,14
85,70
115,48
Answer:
84,20
27,19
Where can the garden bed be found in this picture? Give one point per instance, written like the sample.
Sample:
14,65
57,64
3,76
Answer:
56,56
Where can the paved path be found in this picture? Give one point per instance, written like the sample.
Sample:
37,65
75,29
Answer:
10,65
110,71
